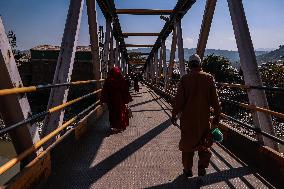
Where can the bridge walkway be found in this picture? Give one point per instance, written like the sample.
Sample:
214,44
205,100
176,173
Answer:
146,155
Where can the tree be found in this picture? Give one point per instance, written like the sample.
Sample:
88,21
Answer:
12,40
272,75
220,67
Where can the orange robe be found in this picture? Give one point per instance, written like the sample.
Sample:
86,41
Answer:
195,95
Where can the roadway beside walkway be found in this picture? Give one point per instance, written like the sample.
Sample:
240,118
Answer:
146,155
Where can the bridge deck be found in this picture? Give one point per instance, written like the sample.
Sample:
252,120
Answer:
146,155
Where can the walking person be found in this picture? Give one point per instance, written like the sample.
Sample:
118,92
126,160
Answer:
136,84
115,94
195,95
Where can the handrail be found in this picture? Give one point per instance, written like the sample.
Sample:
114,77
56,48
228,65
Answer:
255,108
49,111
38,144
247,87
30,89
257,130
248,106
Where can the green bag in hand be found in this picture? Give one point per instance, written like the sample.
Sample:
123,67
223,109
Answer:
217,135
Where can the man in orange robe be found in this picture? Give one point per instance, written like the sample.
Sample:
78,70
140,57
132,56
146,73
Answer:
195,95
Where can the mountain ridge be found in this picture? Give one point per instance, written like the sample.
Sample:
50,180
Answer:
272,56
233,56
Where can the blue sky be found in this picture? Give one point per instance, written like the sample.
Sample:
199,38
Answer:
42,22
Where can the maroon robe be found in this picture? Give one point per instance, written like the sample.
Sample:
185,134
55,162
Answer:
116,94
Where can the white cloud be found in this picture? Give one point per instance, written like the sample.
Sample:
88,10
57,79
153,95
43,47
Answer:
231,38
168,43
221,41
188,42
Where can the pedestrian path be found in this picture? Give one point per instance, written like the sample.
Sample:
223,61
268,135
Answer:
146,155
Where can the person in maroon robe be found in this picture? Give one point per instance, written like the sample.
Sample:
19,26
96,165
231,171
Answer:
115,94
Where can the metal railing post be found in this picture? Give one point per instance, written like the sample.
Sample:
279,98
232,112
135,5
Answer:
180,49
14,108
106,48
250,70
205,27
172,58
64,66
111,51
93,31
156,66
164,61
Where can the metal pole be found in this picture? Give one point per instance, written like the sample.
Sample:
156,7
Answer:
180,49
150,67
150,70
106,48
64,67
156,67
123,64
250,70
14,108
101,50
127,67
165,68
172,58
160,65
153,70
119,59
111,51
117,54
205,27
147,73
93,31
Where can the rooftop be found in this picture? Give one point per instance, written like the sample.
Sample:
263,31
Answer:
57,48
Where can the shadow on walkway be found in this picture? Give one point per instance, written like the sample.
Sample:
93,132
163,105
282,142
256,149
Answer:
109,163
243,179
84,152
196,182
145,102
150,110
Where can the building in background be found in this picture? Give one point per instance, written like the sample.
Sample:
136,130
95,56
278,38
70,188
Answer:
40,68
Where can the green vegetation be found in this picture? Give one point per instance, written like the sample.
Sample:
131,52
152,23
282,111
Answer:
223,72
13,42
272,75
220,67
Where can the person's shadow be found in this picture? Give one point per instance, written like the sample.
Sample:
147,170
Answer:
181,182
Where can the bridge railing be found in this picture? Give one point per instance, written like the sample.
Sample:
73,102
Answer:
170,93
30,89
34,118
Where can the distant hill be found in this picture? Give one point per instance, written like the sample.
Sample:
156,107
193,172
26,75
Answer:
233,56
272,56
